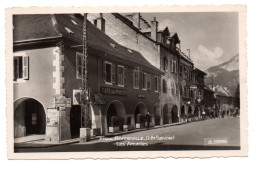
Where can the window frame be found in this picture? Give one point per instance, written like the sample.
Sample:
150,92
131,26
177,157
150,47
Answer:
123,76
144,75
156,86
136,71
111,75
21,55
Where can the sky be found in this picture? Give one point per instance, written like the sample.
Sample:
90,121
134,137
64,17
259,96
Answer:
212,37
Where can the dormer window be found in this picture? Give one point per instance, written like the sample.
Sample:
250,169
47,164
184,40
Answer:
112,45
74,22
69,31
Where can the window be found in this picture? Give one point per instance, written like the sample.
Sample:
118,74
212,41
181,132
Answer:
172,88
156,84
174,67
185,73
181,90
79,64
165,64
120,75
21,68
164,86
180,71
109,73
136,78
144,81
149,81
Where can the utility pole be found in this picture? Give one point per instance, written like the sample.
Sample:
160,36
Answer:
84,130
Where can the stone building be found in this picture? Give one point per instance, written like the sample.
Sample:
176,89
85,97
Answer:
158,47
47,78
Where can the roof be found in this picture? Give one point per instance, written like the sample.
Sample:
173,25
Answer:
198,70
57,25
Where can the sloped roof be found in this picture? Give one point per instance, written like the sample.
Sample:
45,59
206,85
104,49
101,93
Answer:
27,27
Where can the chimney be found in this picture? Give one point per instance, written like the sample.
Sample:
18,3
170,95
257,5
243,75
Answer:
100,23
154,27
136,20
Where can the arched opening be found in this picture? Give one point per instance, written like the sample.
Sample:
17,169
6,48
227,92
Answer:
116,109
190,110
196,112
29,117
165,114
175,117
140,113
157,116
182,112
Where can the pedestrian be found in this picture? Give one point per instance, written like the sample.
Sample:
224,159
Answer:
212,114
148,119
203,115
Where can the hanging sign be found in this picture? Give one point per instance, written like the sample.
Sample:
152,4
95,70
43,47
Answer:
193,87
62,102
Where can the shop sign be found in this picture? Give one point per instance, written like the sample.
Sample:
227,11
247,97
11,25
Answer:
52,118
141,96
193,87
113,91
62,102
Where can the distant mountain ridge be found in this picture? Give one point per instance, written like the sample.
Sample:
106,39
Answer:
225,75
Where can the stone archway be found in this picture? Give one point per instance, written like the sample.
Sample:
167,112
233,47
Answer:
140,113
165,114
29,117
175,117
183,112
157,117
116,108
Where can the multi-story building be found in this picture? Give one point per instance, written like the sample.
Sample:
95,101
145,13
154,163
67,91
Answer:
185,83
48,75
198,89
158,47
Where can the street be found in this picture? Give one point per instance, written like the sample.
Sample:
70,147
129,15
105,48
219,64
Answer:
190,136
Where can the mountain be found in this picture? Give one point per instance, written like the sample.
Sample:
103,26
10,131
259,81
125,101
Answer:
225,76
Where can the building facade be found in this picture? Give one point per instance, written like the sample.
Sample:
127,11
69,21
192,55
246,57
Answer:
48,70
158,47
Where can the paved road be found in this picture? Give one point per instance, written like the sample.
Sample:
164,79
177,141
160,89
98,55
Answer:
182,137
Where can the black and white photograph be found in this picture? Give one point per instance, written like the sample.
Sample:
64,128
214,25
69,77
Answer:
114,82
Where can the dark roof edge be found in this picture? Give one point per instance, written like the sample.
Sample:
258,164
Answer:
36,40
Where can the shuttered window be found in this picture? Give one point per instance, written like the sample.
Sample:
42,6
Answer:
156,84
21,67
108,73
136,78
120,75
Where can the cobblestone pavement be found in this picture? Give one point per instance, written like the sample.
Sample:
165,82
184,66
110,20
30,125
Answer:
188,136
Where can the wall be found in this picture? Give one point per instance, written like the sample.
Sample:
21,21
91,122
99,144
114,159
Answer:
39,86
169,98
128,37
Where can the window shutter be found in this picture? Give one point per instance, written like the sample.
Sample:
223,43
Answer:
114,73
125,78
171,65
25,67
104,72
174,67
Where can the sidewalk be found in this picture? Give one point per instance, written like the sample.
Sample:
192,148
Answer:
39,142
